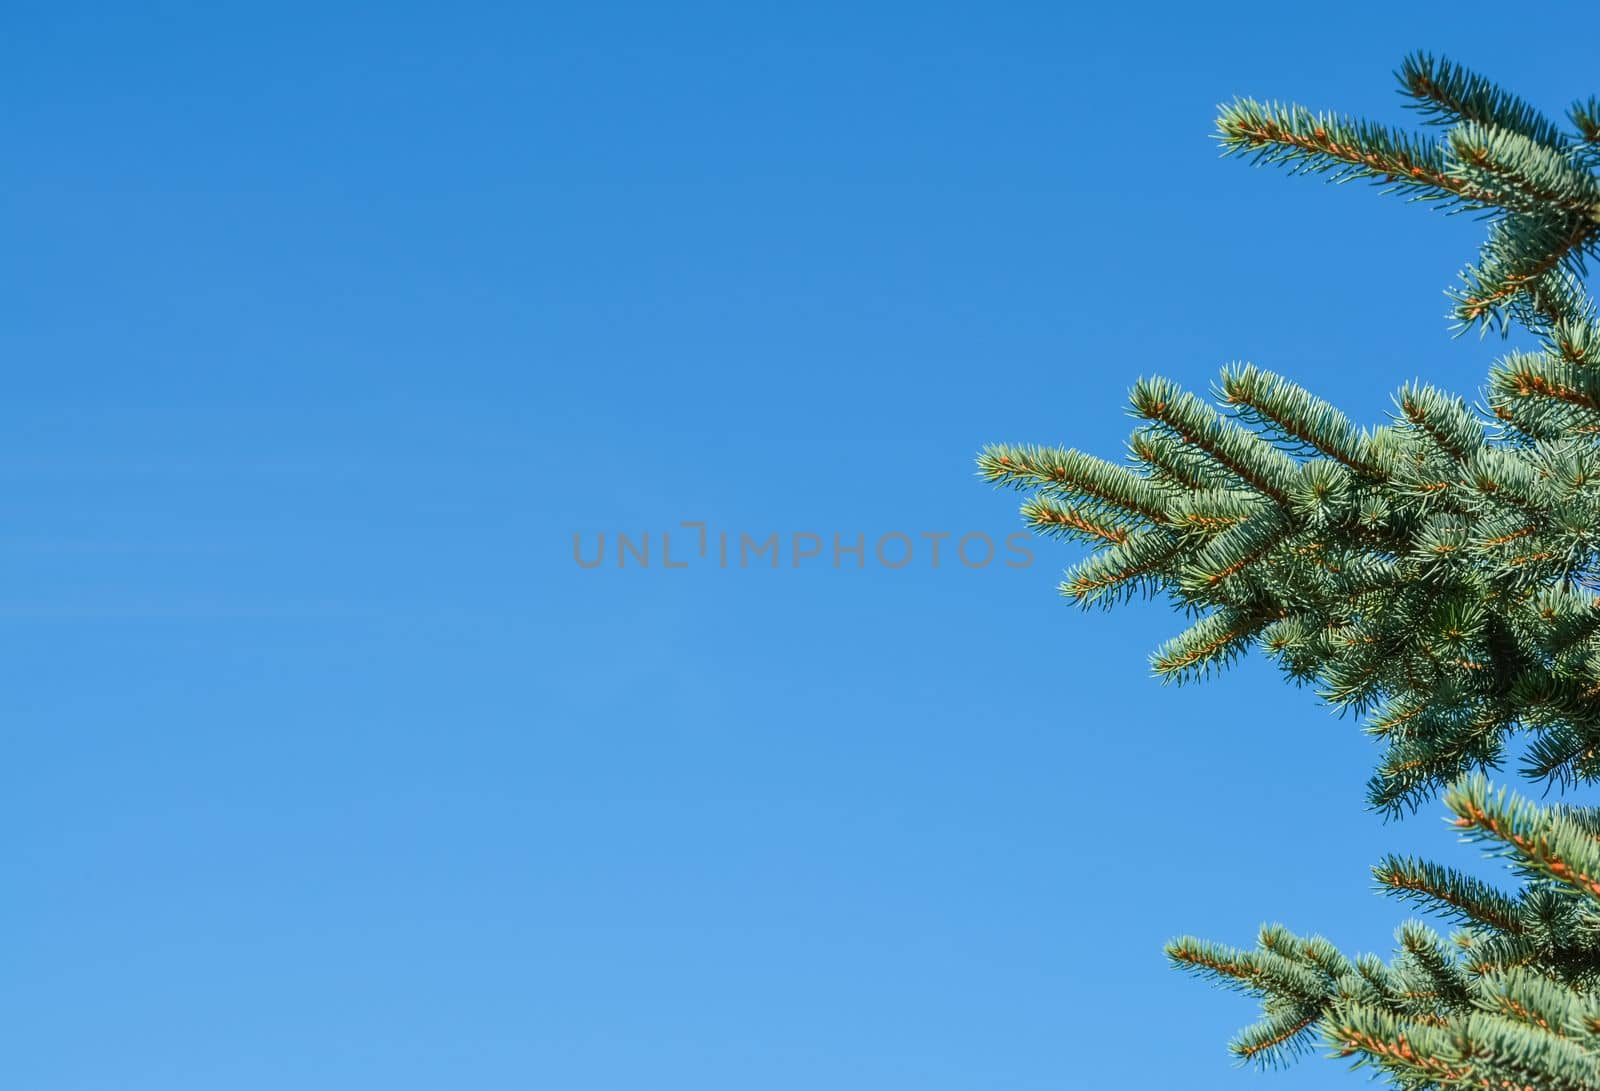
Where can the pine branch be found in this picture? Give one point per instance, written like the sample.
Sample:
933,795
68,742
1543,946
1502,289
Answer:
1513,1002
1523,273
1051,517
1244,455
1524,176
1072,475
1544,840
1211,643
1304,421
1445,93
1311,143
1450,892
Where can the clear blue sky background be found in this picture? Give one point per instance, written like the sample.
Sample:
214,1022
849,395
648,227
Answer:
326,328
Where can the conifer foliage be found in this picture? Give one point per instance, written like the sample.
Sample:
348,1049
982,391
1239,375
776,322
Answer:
1438,573
1510,1000
1499,156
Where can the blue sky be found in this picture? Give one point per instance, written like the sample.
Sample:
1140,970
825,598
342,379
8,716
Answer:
328,327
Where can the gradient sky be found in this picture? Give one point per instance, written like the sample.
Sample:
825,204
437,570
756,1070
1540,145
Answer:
327,327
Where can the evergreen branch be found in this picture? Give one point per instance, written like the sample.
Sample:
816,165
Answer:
1575,340
1279,1037
1233,552
1340,971
1261,973
1545,841
1427,956
1322,495
1440,575
1048,516
1211,643
1320,143
1526,376
1524,176
1205,513
1072,474
1172,462
1450,892
1242,454
1513,1003
1585,115
1443,419
1525,997
1446,93
1480,1050
1520,272
1272,401
1121,570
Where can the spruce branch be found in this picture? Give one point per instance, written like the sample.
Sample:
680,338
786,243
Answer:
1543,840
1528,271
1304,422
1511,1001
1498,156
1243,454
1446,93
1438,575
1448,892
1208,644
1345,148
1071,474
1051,517
1524,176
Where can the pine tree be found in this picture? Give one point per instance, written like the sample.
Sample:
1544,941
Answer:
1439,574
